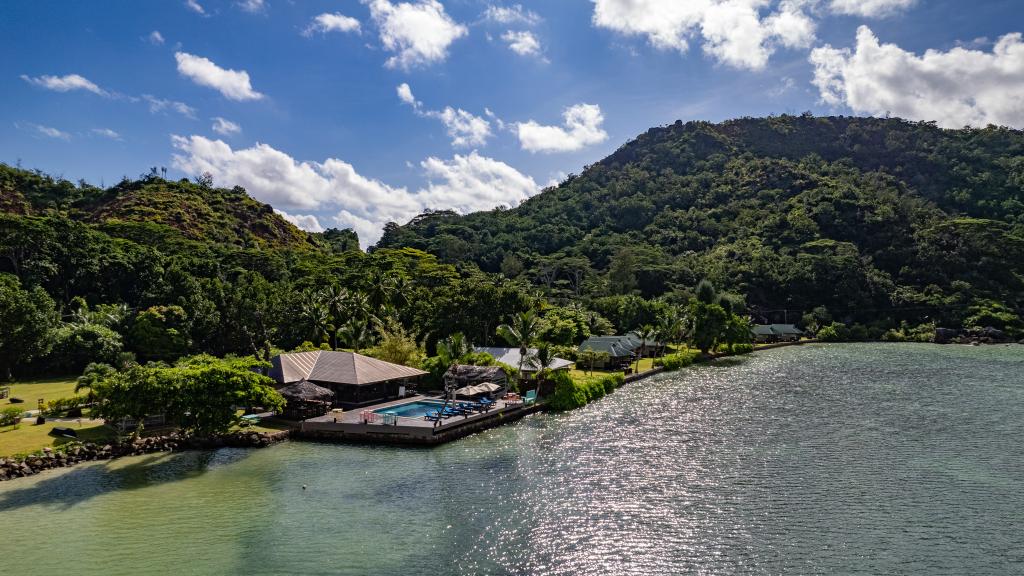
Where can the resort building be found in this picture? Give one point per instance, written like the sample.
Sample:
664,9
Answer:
511,357
620,349
766,333
355,380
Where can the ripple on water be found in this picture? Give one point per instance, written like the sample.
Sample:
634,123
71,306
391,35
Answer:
826,459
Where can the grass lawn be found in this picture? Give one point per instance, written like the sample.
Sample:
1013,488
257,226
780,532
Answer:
578,374
28,437
32,390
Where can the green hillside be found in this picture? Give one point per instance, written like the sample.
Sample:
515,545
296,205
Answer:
876,219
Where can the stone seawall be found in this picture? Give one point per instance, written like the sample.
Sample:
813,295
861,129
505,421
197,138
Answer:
72,454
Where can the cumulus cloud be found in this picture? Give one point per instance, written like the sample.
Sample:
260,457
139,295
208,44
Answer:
106,133
464,128
870,8
253,6
582,128
405,95
65,83
331,22
472,183
155,38
225,127
522,42
735,32
955,88
419,33
232,84
466,183
514,14
157,105
307,222
195,6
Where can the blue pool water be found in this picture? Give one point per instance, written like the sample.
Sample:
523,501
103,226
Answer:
416,409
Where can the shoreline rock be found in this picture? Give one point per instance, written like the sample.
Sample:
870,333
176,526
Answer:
48,459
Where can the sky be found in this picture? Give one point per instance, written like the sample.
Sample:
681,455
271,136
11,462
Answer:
354,113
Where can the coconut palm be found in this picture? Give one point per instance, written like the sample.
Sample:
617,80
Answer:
316,316
645,334
520,333
356,334
453,348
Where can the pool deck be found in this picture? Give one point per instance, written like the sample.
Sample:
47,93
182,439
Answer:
409,430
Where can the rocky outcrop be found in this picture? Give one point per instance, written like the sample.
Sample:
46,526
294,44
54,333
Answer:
71,454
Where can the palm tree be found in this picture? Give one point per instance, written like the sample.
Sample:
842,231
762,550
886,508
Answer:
336,299
356,334
521,332
453,348
543,359
644,333
316,315
671,327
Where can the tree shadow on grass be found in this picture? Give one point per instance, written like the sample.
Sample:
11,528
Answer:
63,489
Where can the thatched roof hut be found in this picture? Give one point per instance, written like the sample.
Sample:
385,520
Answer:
462,375
304,399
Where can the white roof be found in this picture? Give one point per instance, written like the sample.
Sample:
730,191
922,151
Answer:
510,356
336,368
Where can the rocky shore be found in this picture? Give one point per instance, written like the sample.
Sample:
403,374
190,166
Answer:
72,454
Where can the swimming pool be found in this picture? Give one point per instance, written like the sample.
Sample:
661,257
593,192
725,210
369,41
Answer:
416,409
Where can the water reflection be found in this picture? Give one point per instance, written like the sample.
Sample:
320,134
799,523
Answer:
838,459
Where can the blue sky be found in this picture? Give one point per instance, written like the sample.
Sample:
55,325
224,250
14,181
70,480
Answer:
498,99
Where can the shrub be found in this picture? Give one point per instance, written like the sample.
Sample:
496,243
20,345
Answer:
570,394
678,360
742,348
62,405
10,416
834,332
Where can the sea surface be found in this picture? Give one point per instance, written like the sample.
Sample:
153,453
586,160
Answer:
821,459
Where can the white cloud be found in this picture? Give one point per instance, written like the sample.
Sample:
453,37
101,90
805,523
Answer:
405,95
106,133
582,128
157,105
734,32
522,42
472,183
307,222
46,131
65,83
155,38
419,33
465,129
328,22
511,15
225,126
955,88
233,84
870,8
195,6
253,6
465,183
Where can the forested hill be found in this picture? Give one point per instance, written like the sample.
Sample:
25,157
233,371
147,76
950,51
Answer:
153,211
870,217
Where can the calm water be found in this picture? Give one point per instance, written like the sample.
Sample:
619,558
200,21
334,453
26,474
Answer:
898,459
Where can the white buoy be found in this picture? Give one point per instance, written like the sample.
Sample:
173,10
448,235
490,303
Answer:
303,486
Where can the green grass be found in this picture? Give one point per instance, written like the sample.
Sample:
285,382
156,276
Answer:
32,390
584,374
28,437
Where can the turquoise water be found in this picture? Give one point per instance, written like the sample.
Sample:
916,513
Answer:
842,459
416,409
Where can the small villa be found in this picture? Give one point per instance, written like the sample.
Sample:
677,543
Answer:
768,333
355,380
512,356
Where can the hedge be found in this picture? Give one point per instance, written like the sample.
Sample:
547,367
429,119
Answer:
570,394
678,360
